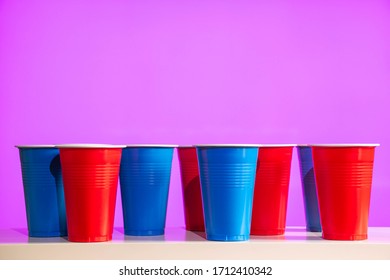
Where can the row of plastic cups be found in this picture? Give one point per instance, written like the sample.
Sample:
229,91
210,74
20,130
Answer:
244,189
90,175
343,175
227,177
71,189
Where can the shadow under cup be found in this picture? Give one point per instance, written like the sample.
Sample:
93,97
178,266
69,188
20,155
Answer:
344,176
43,191
227,176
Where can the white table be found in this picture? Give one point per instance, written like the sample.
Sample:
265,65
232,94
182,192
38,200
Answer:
178,243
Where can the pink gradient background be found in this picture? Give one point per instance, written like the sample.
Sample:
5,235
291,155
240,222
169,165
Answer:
194,72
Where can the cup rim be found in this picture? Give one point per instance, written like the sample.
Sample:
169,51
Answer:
226,145
88,146
344,145
277,145
39,146
151,146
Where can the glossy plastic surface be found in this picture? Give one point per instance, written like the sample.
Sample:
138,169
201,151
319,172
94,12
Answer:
144,178
344,177
43,191
271,190
90,182
309,189
192,198
227,176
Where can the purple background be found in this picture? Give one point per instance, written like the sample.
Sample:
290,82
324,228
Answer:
194,72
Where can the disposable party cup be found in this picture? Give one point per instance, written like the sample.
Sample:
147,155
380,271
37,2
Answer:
271,189
144,178
227,177
343,175
90,174
309,189
43,190
192,198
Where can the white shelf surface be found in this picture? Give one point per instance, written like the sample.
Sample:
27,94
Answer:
177,243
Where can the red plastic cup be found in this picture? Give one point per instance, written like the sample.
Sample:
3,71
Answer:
343,174
90,176
192,198
271,189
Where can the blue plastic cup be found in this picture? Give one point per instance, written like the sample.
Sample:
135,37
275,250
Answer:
43,190
145,174
227,177
309,189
